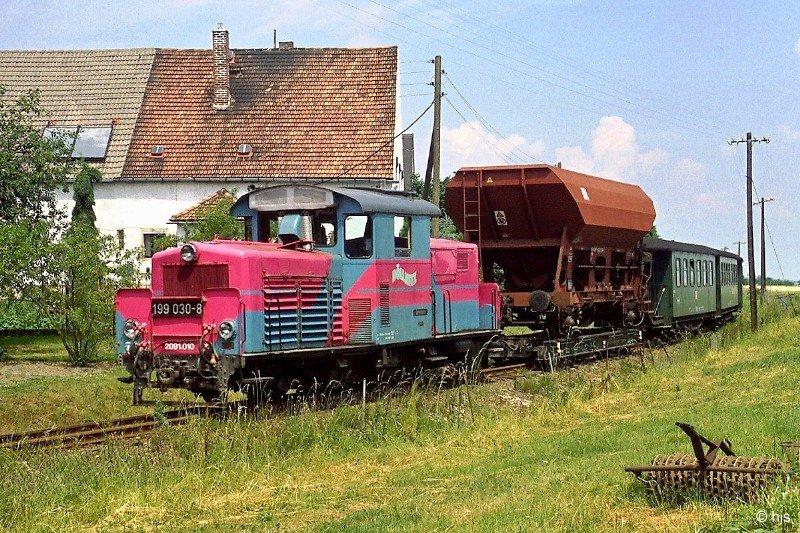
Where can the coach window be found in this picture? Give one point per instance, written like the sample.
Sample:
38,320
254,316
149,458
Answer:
402,236
678,273
711,273
358,236
685,272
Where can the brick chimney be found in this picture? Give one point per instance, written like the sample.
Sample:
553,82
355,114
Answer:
222,75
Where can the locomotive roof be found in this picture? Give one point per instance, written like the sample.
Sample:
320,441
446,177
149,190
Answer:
300,196
649,243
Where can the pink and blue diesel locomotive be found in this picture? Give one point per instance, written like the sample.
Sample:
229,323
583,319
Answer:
331,283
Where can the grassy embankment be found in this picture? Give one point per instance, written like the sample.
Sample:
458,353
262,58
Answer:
39,388
545,454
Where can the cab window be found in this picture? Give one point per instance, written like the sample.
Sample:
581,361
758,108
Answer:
402,236
358,236
324,228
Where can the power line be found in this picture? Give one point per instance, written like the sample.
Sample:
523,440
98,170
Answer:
510,58
560,60
478,132
381,147
511,148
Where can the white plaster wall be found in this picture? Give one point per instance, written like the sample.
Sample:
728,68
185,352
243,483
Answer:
145,207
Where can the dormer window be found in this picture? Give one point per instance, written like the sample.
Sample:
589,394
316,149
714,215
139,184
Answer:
157,151
244,150
82,142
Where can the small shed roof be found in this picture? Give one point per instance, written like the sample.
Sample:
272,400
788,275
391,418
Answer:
197,211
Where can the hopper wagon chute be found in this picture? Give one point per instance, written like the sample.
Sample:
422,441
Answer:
564,246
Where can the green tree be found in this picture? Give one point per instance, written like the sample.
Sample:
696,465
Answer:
32,167
89,268
83,195
447,227
653,233
32,170
212,222
216,221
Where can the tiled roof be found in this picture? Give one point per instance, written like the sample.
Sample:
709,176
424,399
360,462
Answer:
307,113
84,88
195,213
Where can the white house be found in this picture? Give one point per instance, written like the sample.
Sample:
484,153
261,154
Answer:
170,127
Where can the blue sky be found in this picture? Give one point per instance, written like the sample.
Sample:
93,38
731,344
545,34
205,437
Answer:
645,92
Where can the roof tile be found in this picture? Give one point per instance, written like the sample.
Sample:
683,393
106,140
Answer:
307,113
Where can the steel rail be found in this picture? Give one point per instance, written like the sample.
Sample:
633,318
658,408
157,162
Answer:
90,433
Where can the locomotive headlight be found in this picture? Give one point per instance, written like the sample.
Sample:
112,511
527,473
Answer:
188,253
130,329
227,330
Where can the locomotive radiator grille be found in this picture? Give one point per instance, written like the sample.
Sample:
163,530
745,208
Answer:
360,320
301,313
384,300
192,280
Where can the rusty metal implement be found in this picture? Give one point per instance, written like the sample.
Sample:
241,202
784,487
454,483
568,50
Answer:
725,475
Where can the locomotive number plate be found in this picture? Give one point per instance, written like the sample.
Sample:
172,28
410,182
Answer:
192,307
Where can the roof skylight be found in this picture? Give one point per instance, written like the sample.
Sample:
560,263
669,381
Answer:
82,142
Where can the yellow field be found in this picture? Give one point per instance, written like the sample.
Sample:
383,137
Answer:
783,288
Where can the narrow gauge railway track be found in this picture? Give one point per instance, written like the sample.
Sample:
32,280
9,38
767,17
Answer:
95,433
499,372
92,433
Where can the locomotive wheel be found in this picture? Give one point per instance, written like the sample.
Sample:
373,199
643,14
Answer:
210,396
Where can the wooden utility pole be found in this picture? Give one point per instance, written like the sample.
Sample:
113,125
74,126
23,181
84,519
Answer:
436,140
751,262
739,247
762,201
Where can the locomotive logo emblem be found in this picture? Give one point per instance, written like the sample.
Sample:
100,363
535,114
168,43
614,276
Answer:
398,274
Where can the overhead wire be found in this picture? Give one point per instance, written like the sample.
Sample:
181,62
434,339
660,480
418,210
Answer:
516,150
486,141
381,147
561,60
508,57
486,59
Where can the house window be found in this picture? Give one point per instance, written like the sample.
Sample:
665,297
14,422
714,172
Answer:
121,239
402,236
81,142
358,236
149,239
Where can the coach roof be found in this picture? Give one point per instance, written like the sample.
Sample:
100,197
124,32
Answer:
649,243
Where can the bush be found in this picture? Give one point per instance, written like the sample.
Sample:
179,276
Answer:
23,316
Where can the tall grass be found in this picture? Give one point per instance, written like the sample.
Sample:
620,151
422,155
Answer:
426,456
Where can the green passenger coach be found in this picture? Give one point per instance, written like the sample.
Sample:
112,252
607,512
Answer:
692,284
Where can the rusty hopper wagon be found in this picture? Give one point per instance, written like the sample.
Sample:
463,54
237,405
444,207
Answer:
564,246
